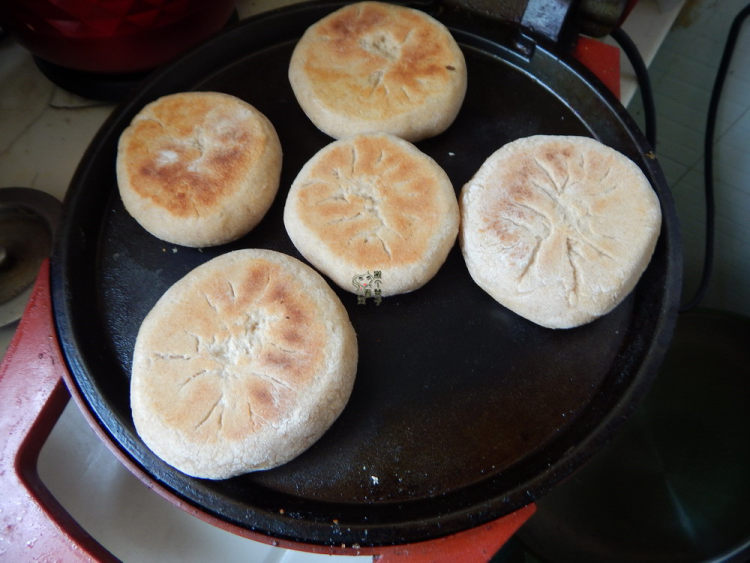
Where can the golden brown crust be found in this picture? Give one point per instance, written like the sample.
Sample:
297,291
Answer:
167,144
241,365
198,168
558,229
373,202
373,66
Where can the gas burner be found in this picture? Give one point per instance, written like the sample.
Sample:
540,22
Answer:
28,219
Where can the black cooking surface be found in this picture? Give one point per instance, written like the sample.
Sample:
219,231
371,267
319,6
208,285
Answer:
462,411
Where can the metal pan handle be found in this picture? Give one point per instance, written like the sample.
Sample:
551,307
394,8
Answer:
35,525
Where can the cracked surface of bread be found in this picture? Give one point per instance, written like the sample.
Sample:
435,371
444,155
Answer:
373,202
198,168
558,228
241,365
373,66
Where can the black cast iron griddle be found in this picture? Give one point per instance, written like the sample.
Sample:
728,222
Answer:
462,411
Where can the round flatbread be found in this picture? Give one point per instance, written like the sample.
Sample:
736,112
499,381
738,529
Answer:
241,365
377,205
198,168
558,228
372,67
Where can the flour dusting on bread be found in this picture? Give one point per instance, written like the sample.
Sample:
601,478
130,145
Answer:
198,168
373,203
376,67
241,365
558,228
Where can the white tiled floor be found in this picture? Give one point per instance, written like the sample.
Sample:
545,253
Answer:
682,75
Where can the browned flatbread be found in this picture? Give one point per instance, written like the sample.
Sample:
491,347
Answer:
198,168
372,67
558,229
373,203
241,365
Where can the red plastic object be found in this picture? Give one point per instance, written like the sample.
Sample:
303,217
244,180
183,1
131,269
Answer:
113,36
475,545
601,59
35,526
